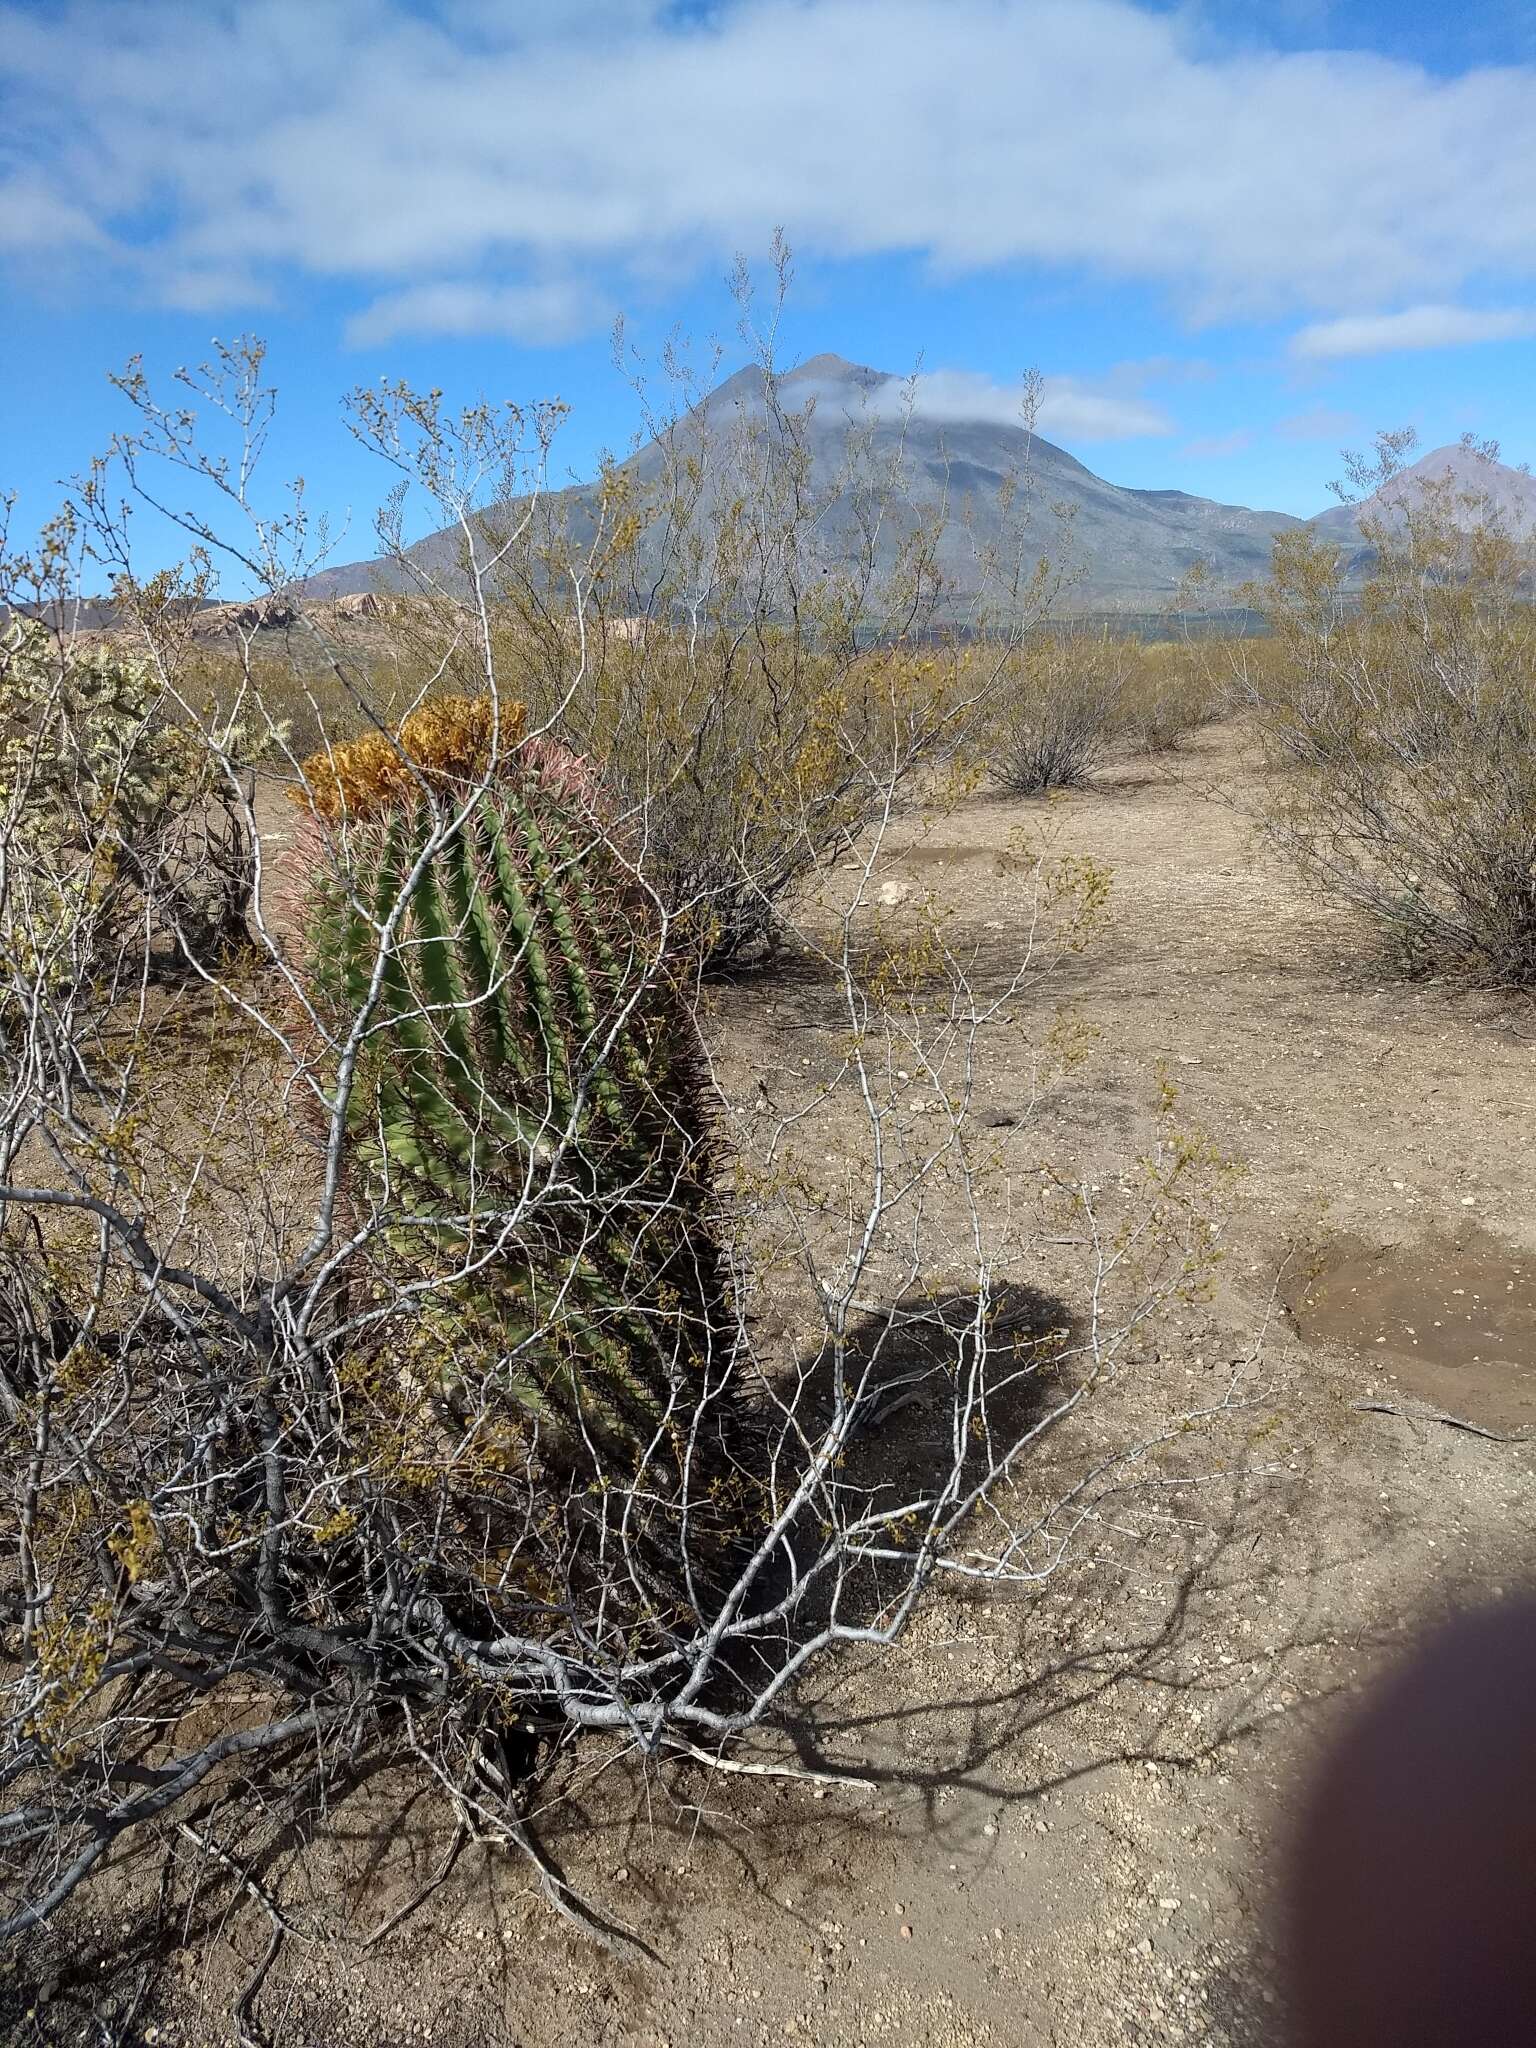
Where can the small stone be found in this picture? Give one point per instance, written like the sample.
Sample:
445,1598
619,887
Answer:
906,1931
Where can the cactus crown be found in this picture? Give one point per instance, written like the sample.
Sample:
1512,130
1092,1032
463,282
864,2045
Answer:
447,740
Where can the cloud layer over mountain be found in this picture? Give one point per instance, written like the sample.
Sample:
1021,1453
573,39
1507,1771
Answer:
470,167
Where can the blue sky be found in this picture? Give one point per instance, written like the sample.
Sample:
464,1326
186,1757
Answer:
1232,238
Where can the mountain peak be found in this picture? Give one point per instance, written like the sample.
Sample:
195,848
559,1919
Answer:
1467,465
827,372
1507,492
834,369
950,462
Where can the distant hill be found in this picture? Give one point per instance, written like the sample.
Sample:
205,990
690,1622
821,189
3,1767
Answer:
75,615
1492,489
1131,548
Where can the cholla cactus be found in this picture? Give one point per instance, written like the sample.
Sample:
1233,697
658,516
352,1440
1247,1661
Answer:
87,735
529,1118
112,803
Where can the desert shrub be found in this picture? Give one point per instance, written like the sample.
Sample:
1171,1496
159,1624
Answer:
1270,671
455,1424
412,1349
333,680
1400,730
1170,693
743,765
1059,708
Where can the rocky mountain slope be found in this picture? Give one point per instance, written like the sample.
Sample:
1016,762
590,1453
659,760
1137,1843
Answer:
1127,549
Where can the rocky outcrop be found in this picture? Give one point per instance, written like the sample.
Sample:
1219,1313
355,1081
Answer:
264,614
252,617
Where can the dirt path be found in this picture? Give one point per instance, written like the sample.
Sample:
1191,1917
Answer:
1077,1796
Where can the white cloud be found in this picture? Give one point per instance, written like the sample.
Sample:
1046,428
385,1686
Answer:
953,395
1073,410
209,288
35,218
1372,334
533,21
1069,408
394,148
548,312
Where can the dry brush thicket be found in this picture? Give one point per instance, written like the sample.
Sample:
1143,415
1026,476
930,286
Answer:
1397,725
410,1348
1065,701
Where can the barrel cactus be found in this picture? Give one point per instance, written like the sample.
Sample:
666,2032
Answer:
530,1117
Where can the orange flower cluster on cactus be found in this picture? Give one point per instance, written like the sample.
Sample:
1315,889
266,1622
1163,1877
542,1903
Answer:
445,741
